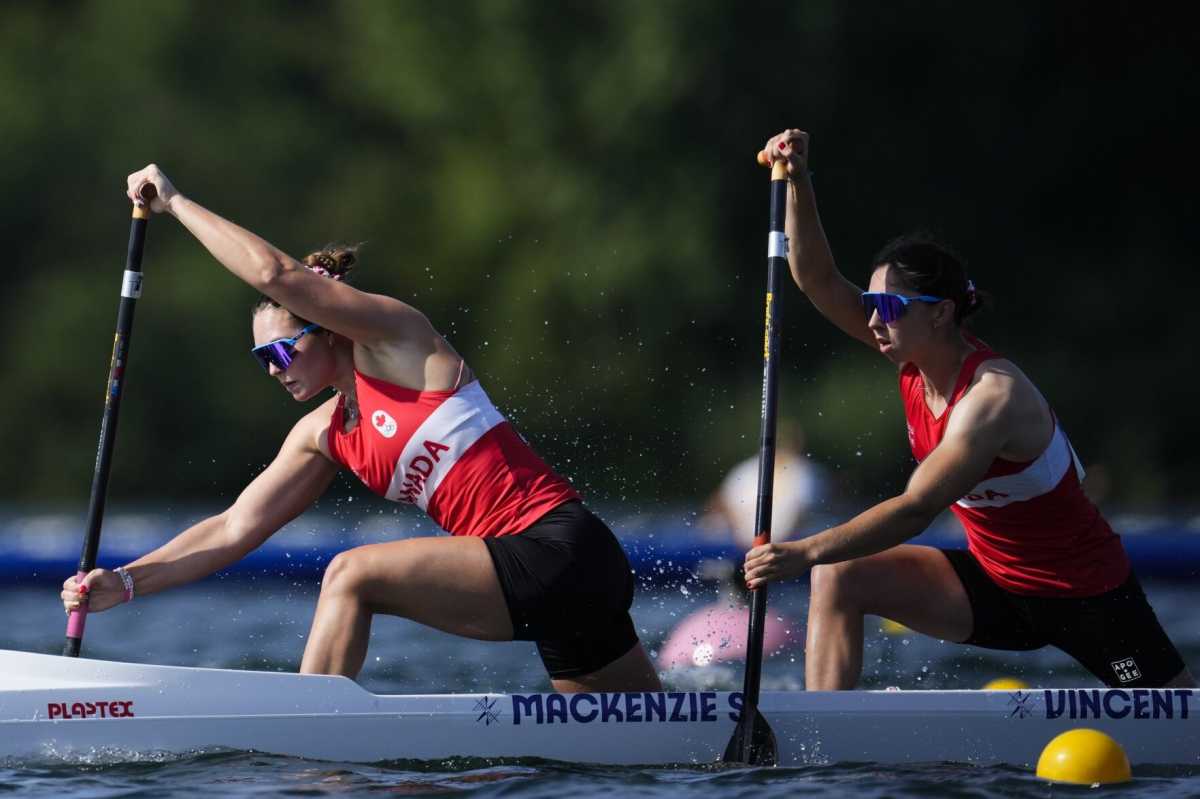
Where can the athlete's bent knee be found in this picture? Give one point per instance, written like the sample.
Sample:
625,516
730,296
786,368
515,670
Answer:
834,582
345,574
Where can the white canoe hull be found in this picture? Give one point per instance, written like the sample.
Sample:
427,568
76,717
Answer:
54,707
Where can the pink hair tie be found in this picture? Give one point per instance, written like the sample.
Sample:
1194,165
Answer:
323,272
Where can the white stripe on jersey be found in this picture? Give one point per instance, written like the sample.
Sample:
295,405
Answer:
1036,479
439,442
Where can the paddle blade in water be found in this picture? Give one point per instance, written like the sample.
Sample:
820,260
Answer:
753,742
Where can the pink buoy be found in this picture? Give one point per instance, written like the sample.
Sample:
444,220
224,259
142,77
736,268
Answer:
717,633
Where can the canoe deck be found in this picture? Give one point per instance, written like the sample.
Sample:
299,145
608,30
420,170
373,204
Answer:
55,707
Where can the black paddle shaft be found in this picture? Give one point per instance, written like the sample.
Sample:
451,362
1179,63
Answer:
131,289
753,742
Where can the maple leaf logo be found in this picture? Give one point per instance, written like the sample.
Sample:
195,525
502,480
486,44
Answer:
384,423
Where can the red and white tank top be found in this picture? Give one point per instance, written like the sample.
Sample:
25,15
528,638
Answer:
450,453
1028,524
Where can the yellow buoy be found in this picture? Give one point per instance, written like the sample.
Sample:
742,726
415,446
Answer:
1084,757
1006,684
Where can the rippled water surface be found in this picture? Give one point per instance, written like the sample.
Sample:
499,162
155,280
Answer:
262,624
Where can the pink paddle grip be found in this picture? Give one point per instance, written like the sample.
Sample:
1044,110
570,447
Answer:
78,617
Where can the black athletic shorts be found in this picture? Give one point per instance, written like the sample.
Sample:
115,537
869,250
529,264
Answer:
1114,635
569,587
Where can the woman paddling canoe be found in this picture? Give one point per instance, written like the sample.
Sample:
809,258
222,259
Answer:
1042,566
525,559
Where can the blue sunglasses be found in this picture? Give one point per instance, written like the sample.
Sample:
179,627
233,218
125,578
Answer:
280,352
891,307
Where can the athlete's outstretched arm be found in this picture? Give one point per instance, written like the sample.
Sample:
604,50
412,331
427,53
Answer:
976,434
809,255
296,478
364,318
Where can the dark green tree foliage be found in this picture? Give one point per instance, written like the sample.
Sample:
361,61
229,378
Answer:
568,190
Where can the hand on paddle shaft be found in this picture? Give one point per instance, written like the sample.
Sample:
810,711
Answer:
790,146
769,562
101,589
152,183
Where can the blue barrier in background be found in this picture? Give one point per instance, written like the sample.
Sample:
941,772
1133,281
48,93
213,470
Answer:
663,548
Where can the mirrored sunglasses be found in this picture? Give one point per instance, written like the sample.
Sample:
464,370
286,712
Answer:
891,307
280,352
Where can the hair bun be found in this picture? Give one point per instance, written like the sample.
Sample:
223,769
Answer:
333,260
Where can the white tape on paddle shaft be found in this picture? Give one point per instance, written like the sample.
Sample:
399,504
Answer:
131,286
777,245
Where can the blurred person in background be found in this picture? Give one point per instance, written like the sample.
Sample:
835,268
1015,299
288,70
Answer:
525,559
1042,566
716,632
798,483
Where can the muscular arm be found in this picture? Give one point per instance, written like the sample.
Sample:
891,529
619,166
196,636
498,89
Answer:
363,318
977,432
813,268
809,256
292,482
366,319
